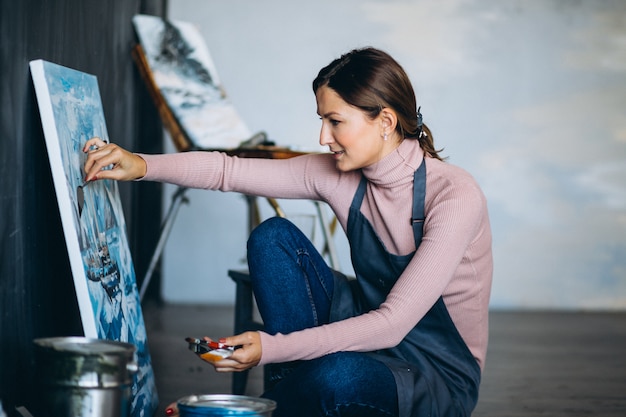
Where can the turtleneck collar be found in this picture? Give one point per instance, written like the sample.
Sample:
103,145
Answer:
397,167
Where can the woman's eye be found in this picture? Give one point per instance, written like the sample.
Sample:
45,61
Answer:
333,122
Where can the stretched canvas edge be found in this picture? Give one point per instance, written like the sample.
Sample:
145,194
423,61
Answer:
63,198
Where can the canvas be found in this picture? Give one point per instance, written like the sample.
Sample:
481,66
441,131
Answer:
93,221
182,69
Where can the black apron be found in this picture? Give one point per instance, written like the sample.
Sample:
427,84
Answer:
436,374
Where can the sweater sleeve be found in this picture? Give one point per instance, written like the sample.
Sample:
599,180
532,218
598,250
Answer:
453,220
303,177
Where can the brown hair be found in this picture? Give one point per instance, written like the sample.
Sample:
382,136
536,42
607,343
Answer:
371,80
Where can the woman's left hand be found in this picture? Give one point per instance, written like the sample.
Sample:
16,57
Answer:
245,357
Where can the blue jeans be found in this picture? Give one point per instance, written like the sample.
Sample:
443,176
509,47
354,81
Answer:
293,288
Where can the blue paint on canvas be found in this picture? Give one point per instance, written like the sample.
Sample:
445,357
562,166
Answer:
100,225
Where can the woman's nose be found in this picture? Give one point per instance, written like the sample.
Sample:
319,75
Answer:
325,137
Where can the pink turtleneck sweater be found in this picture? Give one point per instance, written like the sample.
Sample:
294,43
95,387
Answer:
454,259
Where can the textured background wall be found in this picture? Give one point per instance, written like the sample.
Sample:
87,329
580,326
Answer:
37,297
529,96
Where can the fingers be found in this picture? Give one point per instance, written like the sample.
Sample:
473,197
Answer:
101,164
98,159
242,339
93,142
229,365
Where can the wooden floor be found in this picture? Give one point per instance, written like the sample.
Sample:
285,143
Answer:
548,364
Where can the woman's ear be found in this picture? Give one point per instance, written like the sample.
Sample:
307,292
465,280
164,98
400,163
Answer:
389,120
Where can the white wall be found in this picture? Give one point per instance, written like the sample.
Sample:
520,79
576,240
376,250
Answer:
529,96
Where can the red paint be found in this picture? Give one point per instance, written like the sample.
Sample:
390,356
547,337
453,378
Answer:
216,345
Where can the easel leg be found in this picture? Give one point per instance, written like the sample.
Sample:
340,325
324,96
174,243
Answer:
177,199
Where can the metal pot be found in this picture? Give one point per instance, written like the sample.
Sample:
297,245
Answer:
80,377
219,405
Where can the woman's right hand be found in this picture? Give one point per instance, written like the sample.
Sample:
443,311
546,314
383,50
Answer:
124,165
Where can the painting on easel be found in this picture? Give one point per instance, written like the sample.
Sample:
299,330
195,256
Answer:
181,71
91,213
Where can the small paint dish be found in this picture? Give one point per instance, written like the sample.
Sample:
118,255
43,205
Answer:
215,405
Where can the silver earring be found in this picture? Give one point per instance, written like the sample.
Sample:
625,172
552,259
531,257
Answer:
385,137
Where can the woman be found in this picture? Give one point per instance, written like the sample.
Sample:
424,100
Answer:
408,337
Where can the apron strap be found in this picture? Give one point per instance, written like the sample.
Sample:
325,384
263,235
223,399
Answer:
359,194
419,196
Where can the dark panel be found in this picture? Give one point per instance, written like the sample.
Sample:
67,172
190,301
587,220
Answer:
37,296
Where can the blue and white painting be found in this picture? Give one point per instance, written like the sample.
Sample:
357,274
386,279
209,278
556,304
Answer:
93,220
184,73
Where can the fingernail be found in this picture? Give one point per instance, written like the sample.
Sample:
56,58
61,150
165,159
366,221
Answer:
169,411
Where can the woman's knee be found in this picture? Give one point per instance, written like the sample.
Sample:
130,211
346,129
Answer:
268,231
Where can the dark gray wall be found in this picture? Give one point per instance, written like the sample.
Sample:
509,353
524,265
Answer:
37,297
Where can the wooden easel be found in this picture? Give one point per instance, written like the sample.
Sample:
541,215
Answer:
253,150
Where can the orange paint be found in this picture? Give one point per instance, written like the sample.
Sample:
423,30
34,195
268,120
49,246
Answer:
216,355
